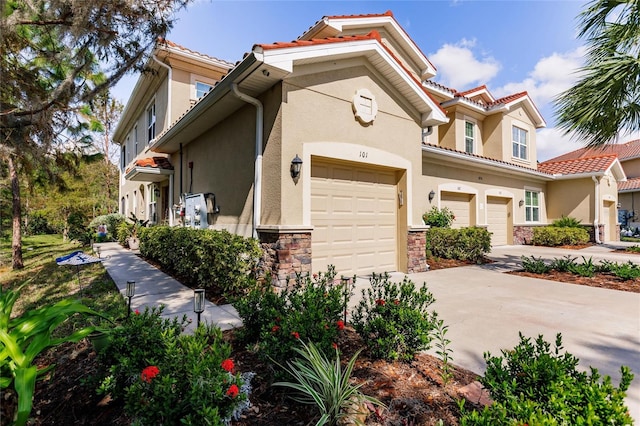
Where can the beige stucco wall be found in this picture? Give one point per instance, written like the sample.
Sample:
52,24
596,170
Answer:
631,167
574,198
630,201
439,175
519,117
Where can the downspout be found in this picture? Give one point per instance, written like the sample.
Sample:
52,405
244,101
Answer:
257,179
596,228
169,76
170,202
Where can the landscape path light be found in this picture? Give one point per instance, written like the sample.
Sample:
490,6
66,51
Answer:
198,303
130,291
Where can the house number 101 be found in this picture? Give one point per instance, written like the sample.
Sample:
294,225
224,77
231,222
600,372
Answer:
364,154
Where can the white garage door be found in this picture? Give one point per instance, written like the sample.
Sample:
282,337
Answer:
353,212
459,205
498,220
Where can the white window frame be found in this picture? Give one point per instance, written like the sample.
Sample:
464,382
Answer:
517,145
135,140
200,93
151,121
123,155
471,139
153,203
530,207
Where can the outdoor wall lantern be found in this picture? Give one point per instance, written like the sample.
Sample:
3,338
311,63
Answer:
521,203
198,303
156,192
432,194
296,165
130,291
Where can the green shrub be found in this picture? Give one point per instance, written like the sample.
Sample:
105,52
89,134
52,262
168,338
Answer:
439,218
584,269
566,222
464,244
39,225
203,257
311,310
323,383
626,271
393,319
141,340
533,384
535,266
123,232
193,382
552,236
563,264
112,220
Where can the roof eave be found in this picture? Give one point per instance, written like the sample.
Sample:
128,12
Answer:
147,174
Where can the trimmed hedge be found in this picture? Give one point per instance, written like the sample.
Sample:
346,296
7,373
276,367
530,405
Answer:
205,258
463,244
554,236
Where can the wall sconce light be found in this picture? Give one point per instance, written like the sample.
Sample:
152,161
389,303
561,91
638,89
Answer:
296,165
432,195
156,192
129,292
198,303
521,203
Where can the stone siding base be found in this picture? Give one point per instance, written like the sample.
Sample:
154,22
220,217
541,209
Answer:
417,252
283,256
523,234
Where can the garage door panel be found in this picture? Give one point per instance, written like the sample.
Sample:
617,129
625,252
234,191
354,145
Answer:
498,220
460,205
354,211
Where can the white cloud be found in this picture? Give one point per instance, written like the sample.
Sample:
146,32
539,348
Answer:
552,142
551,76
459,69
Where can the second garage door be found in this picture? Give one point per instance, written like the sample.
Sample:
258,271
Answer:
460,205
353,212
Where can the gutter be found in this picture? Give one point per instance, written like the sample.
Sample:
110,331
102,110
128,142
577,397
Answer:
596,229
257,179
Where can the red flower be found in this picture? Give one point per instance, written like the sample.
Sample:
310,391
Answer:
233,391
295,334
340,325
137,312
227,365
334,345
315,276
396,302
275,328
380,302
149,373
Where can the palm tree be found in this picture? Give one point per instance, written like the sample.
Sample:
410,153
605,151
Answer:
606,99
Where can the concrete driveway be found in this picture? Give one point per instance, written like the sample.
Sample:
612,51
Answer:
486,308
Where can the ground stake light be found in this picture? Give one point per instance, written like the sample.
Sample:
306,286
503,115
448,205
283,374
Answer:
131,290
198,302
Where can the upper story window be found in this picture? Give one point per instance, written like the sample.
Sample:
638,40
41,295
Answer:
202,89
469,137
135,140
519,138
123,156
151,122
532,206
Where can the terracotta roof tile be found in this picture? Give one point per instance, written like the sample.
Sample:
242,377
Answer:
440,86
597,164
629,184
475,89
509,98
369,15
180,47
373,35
154,162
624,151
498,162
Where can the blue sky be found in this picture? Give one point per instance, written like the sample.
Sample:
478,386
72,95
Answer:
510,46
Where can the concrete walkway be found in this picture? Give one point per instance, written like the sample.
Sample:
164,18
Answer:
484,308
154,288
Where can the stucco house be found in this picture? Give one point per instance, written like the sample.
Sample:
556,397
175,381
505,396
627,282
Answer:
329,149
628,154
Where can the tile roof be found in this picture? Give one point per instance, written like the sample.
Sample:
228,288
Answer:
154,163
369,15
598,164
629,185
475,89
180,47
508,99
624,151
373,35
498,162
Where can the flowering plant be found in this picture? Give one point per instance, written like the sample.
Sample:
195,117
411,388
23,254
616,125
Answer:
149,373
399,329
439,218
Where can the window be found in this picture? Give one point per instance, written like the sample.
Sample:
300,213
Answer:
153,202
135,140
123,156
532,206
202,89
519,137
151,122
469,138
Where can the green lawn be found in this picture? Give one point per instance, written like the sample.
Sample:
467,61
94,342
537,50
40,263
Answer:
44,282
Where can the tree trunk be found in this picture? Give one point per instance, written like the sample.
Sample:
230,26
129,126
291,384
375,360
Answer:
16,242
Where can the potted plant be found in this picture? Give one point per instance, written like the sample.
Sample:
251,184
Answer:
133,241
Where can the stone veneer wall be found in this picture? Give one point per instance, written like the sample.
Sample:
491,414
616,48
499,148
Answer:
284,256
417,252
523,234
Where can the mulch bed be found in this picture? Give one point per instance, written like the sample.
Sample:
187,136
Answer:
599,280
